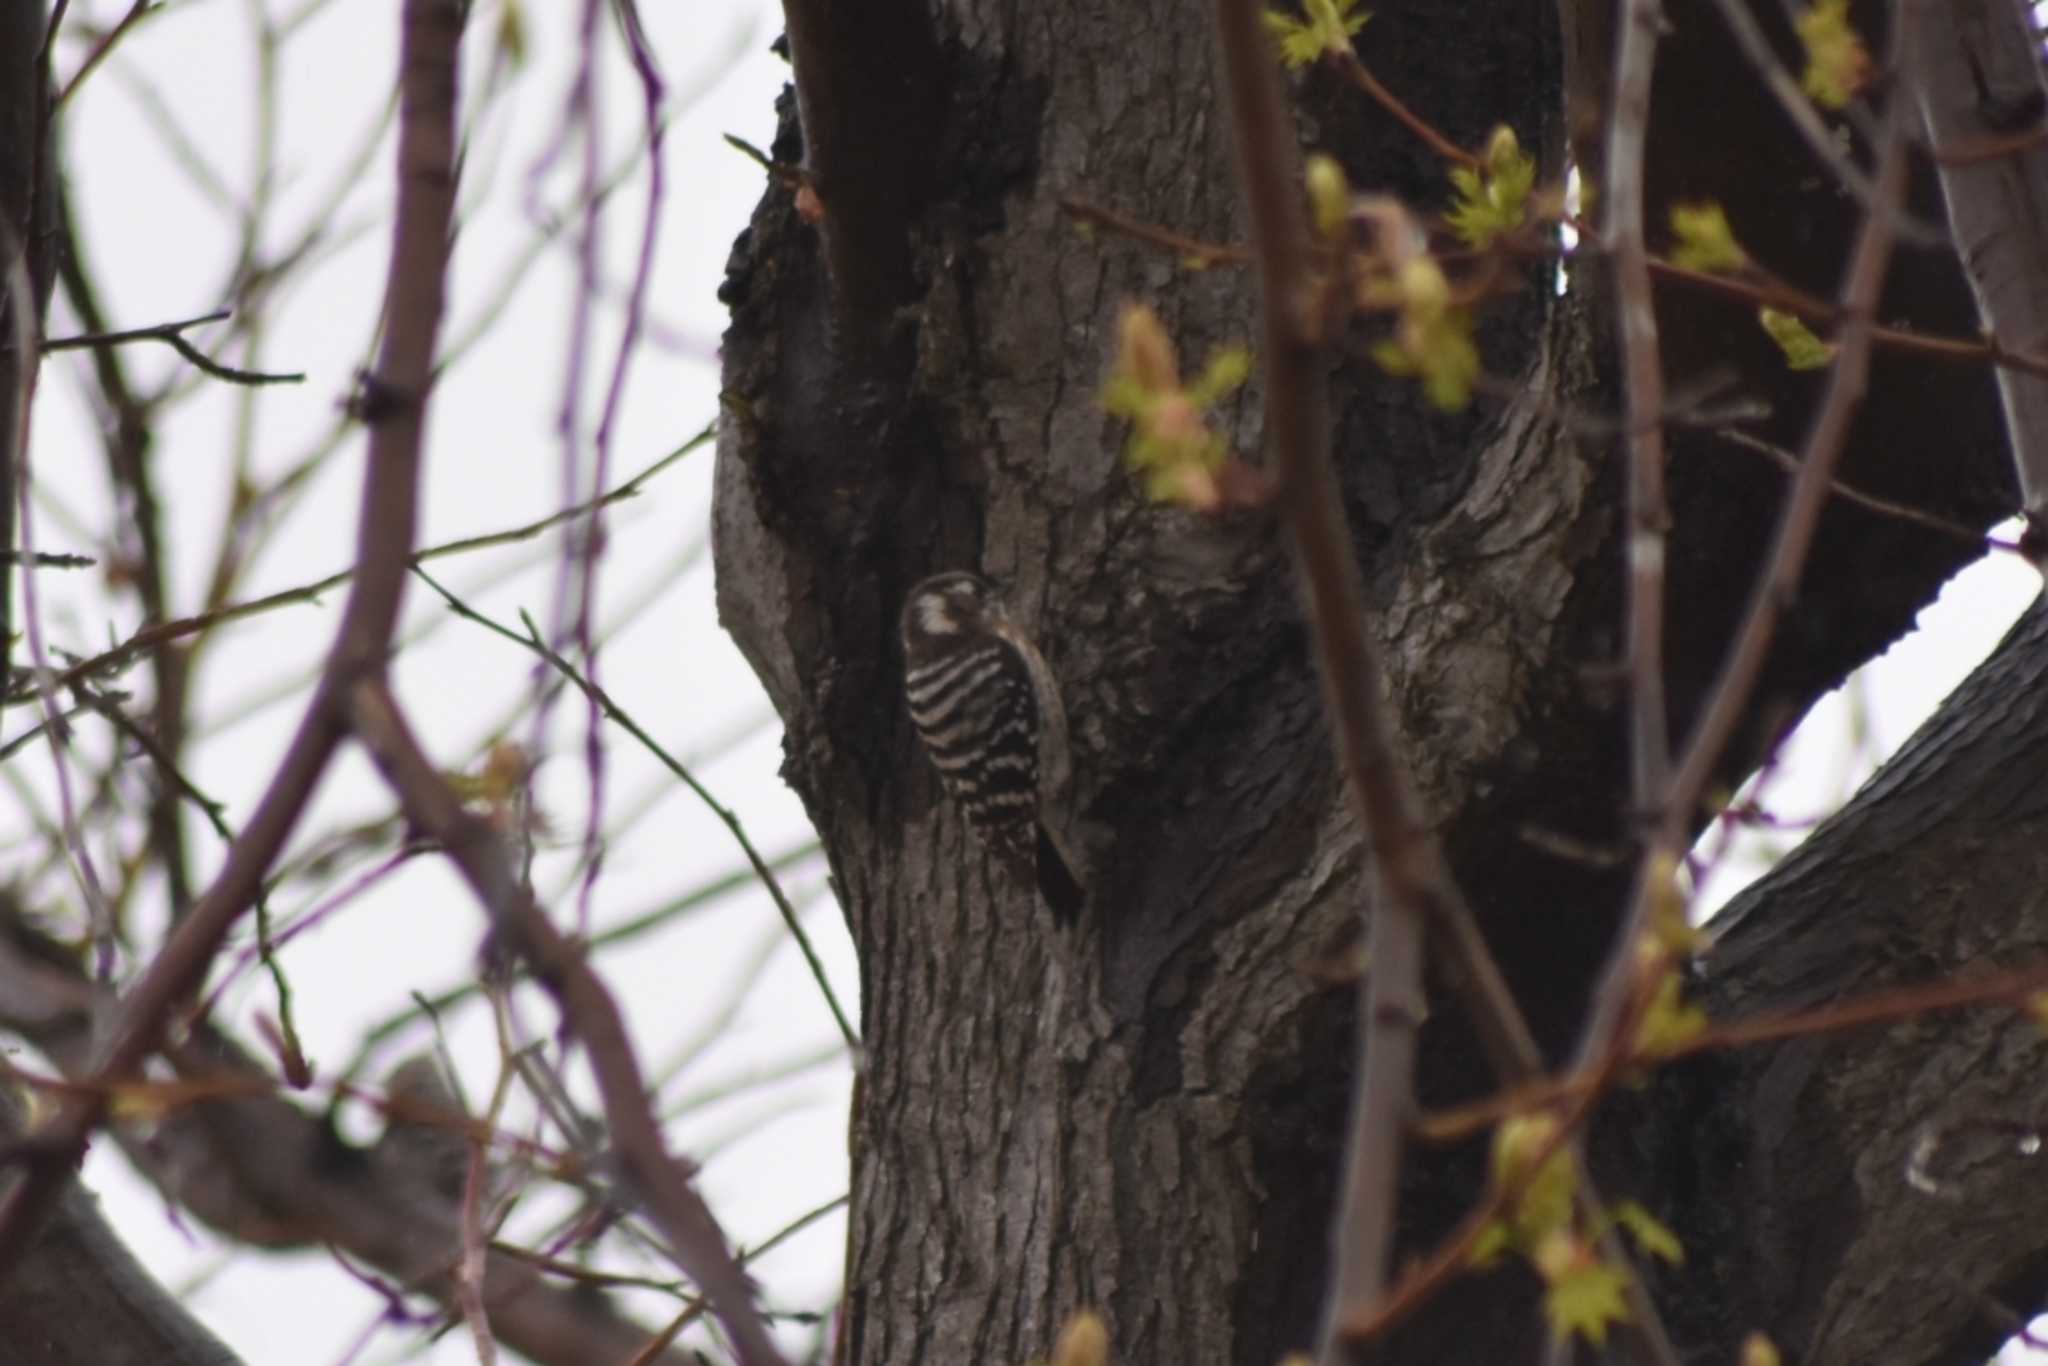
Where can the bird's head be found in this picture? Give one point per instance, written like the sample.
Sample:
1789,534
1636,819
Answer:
948,605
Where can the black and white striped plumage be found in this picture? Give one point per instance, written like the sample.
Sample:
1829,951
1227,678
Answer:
989,713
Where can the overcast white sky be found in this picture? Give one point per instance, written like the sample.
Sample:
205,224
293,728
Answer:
162,247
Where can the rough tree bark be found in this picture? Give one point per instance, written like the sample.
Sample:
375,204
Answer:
1146,1116
1872,1195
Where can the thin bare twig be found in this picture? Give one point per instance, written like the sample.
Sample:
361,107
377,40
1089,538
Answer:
127,437
1778,586
570,605
1756,48
473,1264
1849,493
137,12
612,711
592,540
387,1029
1192,249
1775,293
174,776
1649,513
1618,997
163,632
660,1183
1357,73
2011,991
46,559
172,334
22,741
17,289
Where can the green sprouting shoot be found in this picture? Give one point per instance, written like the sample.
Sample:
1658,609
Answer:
1326,27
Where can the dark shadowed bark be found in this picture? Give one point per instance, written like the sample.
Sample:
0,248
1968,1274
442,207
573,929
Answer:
79,1296
27,253
1146,1116
1976,76
1875,1195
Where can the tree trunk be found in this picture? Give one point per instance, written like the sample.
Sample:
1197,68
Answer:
27,241
1145,1115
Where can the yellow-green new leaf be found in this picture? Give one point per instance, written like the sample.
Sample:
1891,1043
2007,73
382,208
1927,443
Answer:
1327,27
1439,351
1649,1233
1585,1302
1670,930
1837,63
1495,201
1328,196
1803,350
1544,1205
1228,368
1171,445
1705,241
1493,1241
1450,363
1670,1022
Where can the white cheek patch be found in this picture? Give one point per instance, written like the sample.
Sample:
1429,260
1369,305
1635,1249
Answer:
935,616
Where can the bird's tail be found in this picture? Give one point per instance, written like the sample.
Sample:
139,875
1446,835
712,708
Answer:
1057,883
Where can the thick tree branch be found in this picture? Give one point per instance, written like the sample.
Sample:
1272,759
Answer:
867,85
1975,73
265,1172
1859,1150
84,1298
1312,505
